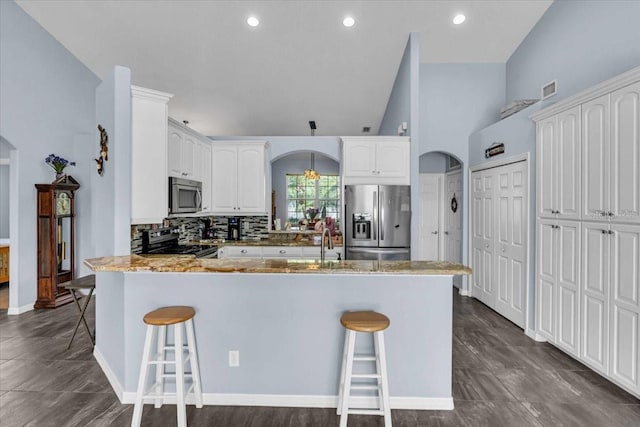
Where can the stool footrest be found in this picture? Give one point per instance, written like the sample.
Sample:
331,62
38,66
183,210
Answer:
365,412
364,358
365,387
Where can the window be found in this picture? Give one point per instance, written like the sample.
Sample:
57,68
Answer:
303,194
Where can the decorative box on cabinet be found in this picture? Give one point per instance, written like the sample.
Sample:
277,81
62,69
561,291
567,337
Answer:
239,182
149,190
56,242
376,160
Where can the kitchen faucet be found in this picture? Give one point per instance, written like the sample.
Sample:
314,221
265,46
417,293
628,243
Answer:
325,231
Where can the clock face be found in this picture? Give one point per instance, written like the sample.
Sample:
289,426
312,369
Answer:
63,204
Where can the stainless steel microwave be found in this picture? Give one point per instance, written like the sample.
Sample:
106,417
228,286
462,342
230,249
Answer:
185,196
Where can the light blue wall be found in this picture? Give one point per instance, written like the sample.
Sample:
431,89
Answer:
47,99
579,43
296,163
399,105
433,163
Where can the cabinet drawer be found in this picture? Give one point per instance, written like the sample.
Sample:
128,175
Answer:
240,252
281,252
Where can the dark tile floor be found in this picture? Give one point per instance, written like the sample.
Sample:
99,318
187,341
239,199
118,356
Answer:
500,378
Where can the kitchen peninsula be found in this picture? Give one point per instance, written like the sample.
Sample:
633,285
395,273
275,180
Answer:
282,315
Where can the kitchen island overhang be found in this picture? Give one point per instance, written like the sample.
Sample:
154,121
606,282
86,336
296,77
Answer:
283,318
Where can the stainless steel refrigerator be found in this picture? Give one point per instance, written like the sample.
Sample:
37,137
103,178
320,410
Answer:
378,222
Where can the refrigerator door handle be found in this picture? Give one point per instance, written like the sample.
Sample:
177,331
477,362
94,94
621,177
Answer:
382,209
375,215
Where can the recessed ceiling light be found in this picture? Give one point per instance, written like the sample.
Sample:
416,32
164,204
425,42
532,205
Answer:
253,21
348,22
459,19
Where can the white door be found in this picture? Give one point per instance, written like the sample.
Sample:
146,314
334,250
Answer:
625,154
510,239
483,235
595,295
595,162
430,208
567,253
547,264
251,179
547,160
453,220
567,185
625,303
224,182
174,160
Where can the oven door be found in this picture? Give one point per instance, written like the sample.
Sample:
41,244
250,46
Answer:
185,197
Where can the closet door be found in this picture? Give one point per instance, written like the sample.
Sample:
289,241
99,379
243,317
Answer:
510,240
547,266
595,295
595,159
547,166
483,230
568,285
624,260
568,150
625,154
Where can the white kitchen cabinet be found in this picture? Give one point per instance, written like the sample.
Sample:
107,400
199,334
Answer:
289,252
182,152
558,304
240,252
559,164
282,252
149,190
611,161
204,173
376,160
239,182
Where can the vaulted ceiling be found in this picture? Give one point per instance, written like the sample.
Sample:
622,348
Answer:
299,64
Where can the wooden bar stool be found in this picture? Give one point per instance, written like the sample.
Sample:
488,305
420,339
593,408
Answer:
157,322
376,323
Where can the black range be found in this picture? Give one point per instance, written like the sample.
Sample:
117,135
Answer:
165,241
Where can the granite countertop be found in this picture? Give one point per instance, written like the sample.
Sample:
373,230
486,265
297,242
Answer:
262,242
182,264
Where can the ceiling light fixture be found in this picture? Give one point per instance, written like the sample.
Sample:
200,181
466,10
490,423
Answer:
459,19
348,22
253,21
312,173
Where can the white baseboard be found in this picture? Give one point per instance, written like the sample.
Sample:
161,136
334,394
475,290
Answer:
111,377
306,401
534,335
464,292
19,310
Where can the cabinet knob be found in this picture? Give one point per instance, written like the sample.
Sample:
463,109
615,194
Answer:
373,172
434,232
243,251
282,251
610,213
446,233
604,231
611,232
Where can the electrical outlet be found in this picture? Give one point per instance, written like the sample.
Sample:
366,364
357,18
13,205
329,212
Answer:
234,358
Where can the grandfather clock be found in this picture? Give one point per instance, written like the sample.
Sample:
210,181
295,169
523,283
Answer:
56,241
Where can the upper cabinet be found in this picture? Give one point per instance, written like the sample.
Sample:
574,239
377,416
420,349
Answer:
239,184
558,151
149,190
376,160
182,152
611,156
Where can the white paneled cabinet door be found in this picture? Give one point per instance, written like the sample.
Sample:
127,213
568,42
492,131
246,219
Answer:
510,239
392,159
625,304
595,159
567,253
360,159
595,296
547,266
188,157
547,162
205,174
251,179
224,187
175,152
568,178
625,154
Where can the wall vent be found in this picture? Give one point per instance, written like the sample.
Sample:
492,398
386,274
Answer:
549,90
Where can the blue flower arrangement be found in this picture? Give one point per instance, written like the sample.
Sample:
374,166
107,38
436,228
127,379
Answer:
58,163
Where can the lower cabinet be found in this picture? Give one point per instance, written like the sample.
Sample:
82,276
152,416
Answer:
290,252
588,295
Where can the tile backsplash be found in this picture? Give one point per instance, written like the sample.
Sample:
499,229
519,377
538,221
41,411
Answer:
253,227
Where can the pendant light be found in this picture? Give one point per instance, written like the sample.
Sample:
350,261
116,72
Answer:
311,173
